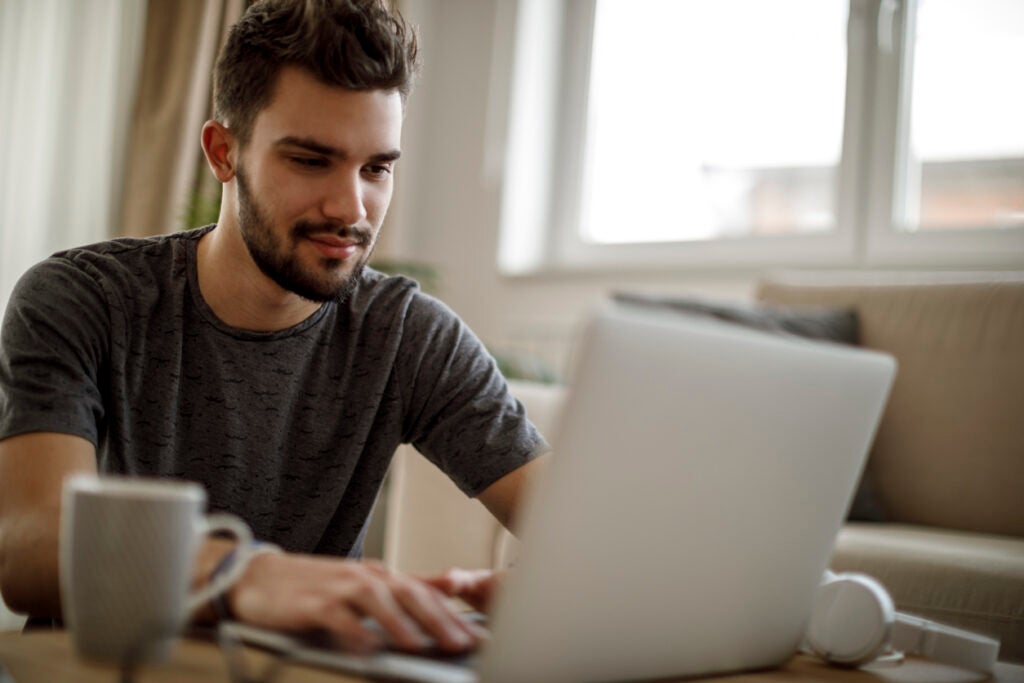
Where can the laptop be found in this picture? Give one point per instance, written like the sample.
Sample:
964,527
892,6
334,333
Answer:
701,472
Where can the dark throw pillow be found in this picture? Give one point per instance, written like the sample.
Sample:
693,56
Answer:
834,325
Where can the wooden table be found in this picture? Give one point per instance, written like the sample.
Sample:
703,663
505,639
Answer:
46,657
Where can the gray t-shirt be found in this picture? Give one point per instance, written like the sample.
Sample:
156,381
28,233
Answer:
292,430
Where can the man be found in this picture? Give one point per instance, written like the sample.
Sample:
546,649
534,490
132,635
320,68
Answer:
259,356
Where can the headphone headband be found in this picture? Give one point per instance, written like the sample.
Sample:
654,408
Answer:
854,622
917,636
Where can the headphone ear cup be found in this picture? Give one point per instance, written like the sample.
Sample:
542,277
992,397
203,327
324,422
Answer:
852,619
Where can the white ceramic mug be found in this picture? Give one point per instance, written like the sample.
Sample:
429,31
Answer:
127,550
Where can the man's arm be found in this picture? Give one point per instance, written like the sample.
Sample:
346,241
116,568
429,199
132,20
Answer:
504,498
300,592
282,591
32,471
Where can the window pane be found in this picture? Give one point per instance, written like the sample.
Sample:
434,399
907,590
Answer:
715,119
965,166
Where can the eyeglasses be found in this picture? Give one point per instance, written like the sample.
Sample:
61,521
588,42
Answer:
235,656
225,634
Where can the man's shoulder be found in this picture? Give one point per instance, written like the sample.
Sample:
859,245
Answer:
117,271
399,294
124,248
131,261
373,280
378,292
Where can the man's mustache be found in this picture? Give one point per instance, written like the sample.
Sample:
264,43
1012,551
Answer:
303,229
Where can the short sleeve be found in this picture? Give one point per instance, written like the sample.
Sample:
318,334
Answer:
461,415
53,351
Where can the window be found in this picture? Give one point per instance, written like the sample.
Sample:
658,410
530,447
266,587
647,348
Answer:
963,166
715,128
766,132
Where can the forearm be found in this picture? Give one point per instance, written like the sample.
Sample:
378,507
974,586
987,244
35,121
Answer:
32,471
30,565
29,574
504,498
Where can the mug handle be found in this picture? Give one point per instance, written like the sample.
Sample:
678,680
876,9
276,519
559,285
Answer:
243,553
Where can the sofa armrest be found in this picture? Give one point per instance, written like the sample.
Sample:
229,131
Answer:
968,580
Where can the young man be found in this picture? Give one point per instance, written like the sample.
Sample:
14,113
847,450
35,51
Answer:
260,356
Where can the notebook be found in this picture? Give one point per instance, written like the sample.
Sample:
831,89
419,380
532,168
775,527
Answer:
701,472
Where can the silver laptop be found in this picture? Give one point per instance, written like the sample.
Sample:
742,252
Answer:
700,475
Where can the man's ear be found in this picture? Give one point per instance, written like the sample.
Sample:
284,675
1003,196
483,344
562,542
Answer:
219,146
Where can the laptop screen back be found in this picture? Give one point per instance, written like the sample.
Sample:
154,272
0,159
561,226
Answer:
699,477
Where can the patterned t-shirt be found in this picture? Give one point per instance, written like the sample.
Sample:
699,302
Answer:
292,430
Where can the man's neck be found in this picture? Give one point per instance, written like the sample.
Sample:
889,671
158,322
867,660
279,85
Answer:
238,292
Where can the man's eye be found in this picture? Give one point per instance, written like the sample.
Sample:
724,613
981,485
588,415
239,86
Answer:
309,162
378,171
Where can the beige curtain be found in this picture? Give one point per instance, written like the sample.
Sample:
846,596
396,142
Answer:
164,170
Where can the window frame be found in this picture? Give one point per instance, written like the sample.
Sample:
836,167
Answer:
876,116
885,243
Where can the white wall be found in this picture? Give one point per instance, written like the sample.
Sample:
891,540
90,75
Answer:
448,198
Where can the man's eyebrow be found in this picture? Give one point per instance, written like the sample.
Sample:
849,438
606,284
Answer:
326,150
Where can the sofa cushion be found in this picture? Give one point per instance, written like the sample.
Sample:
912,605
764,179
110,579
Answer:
950,447
973,581
824,324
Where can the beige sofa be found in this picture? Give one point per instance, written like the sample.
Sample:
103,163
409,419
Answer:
947,466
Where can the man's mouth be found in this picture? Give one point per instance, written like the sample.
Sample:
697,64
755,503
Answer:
333,241
334,247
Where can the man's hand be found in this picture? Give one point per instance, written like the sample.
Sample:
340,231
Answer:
300,592
476,587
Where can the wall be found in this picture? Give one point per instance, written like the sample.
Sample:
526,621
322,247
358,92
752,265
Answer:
448,198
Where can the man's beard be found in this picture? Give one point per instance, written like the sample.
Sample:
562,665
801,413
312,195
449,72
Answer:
279,262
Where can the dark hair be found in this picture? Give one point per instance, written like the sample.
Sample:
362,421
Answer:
354,44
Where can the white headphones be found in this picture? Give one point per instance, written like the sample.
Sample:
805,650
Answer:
854,622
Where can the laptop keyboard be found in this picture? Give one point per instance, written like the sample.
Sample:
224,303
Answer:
319,649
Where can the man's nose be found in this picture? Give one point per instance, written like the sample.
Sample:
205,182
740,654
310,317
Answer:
344,201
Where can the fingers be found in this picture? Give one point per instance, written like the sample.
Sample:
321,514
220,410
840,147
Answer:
456,581
427,607
348,630
316,606
302,592
474,586
431,609
371,596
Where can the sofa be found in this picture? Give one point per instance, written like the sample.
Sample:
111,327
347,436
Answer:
946,471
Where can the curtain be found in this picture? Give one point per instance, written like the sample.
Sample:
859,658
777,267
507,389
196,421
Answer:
67,76
166,173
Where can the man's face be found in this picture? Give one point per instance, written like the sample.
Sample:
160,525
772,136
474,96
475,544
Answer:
314,183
